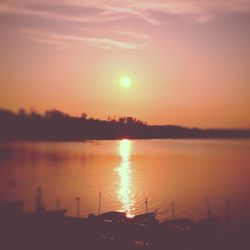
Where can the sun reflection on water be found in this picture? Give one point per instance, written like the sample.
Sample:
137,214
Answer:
125,173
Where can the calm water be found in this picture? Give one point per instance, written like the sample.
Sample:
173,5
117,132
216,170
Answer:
126,172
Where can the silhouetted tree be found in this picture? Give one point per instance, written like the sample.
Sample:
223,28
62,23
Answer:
57,125
84,116
55,114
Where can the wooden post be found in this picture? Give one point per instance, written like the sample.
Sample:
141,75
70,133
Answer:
78,207
39,201
99,206
146,205
173,209
209,210
228,212
58,204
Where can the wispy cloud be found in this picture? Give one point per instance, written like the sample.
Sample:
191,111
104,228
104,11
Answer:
131,34
195,10
100,10
100,19
66,40
44,37
105,43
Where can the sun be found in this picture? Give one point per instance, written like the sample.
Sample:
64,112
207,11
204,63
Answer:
125,82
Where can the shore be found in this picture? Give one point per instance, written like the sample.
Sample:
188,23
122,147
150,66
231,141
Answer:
53,230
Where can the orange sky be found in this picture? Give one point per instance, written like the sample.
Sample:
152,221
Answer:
188,60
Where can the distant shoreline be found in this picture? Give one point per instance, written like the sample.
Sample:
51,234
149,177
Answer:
57,126
118,139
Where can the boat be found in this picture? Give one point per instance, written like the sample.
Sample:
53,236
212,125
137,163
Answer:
145,218
183,224
112,216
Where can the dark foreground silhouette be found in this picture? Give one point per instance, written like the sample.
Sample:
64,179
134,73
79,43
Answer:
56,125
51,230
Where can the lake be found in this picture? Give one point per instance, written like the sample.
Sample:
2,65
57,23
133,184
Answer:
189,173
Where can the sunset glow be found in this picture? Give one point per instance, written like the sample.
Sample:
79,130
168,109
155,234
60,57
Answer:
128,122
125,82
126,58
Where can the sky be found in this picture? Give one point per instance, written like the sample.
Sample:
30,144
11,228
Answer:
188,60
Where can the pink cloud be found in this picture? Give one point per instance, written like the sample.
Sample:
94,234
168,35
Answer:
66,40
101,17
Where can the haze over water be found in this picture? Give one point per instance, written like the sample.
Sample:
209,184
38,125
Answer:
126,172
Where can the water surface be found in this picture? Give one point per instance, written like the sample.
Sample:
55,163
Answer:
127,172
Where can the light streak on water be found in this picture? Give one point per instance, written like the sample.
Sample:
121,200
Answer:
125,173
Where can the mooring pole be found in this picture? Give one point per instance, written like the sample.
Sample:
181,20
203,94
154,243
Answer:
209,210
58,204
228,212
99,206
146,205
173,209
78,207
39,201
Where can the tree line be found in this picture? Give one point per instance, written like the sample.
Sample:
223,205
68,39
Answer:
57,125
